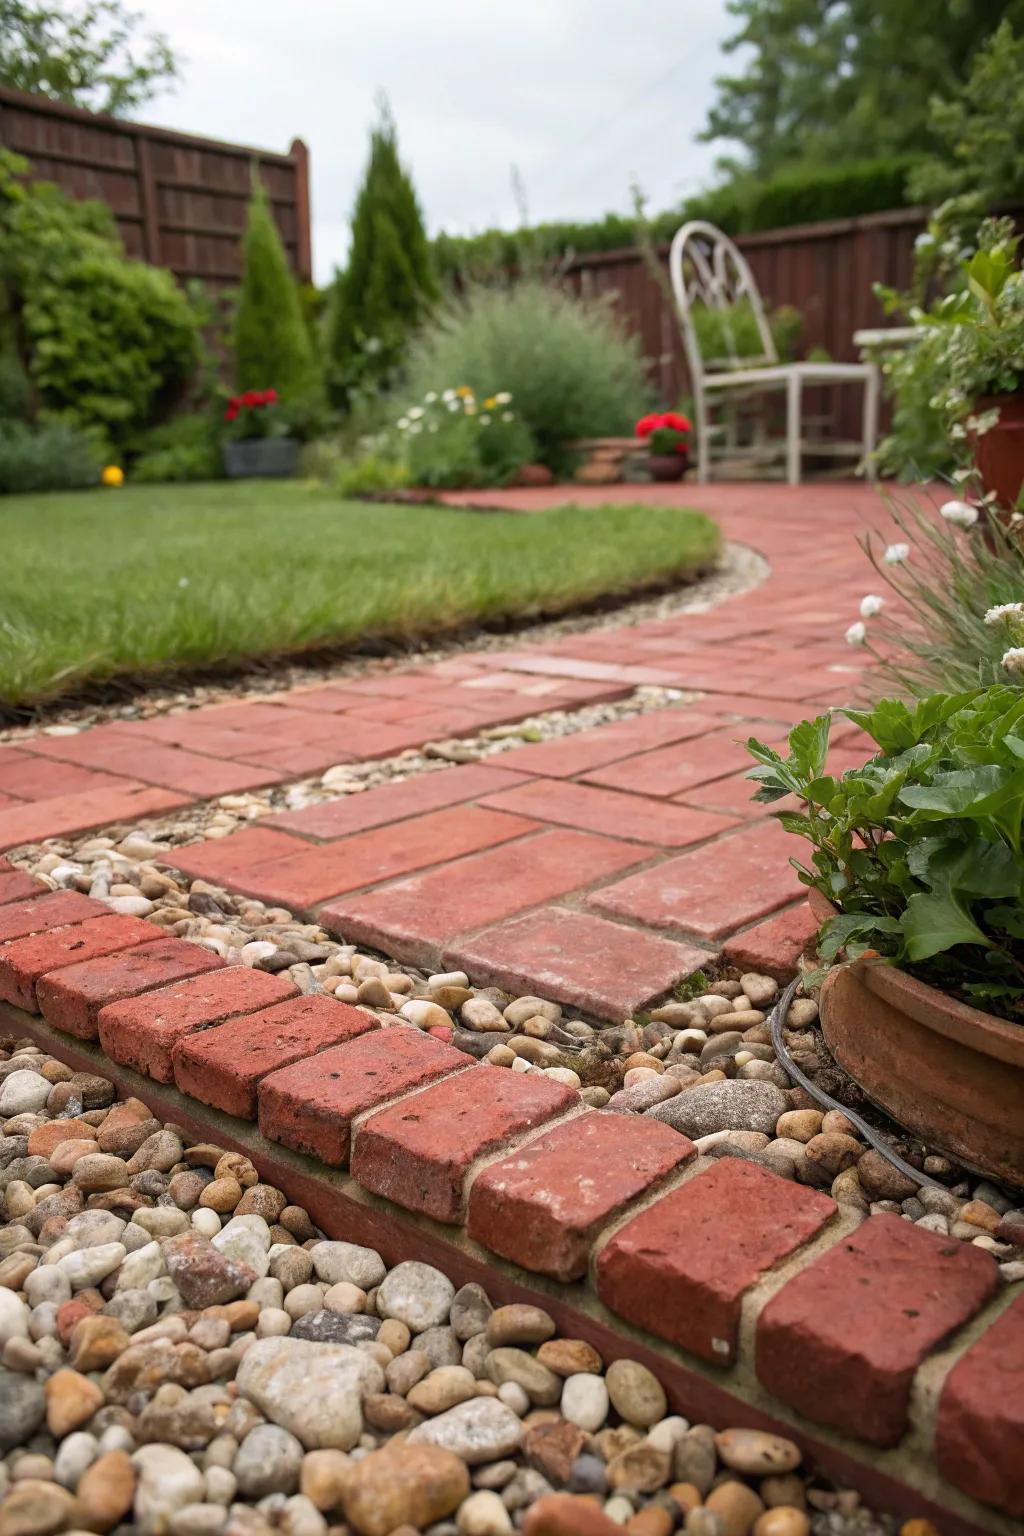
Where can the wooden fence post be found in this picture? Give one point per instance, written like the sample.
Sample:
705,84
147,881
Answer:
303,242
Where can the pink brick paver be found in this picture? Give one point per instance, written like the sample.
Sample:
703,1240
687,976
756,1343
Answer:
980,1428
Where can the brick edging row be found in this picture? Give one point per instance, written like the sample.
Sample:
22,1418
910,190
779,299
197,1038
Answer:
754,1288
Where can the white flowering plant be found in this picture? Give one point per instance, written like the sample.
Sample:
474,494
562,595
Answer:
453,437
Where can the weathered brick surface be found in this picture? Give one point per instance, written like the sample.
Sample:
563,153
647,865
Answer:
418,1153
607,811
416,917
70,999
141,1032
566,756
774,946
544,1206
23,961
841,1341
980,1430
395,801
77,811
713,890
682,1267
223,1066
310,1105
54,909
16,885
578,958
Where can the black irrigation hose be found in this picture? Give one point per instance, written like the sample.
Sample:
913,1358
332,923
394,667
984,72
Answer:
776,1023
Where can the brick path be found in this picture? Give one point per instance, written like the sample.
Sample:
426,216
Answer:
600,868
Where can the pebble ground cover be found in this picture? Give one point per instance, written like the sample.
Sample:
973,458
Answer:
160,578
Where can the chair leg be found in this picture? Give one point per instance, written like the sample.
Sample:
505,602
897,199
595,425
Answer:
703,445
872,393
793,409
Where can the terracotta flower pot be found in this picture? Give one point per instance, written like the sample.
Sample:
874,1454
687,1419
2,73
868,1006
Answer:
945,1071
667,466
999,453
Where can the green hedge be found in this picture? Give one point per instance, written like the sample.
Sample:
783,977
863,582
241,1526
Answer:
745,206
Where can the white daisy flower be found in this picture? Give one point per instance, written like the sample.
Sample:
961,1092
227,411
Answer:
856,634
485,420
430,397
960,513
448,395
871,605
416,413
503,397
453,405
1003,611
403,423
416,427
896,554
508,416
182,581
1013,660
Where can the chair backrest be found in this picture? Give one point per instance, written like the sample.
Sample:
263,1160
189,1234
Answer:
709,273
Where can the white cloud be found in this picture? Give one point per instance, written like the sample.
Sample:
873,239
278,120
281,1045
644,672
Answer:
582,96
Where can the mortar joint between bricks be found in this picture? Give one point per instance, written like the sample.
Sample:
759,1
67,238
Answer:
518,1141
682,1174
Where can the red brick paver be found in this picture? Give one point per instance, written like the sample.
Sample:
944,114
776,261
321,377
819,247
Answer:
24,961
70,999
980,1429
841,1341
53,909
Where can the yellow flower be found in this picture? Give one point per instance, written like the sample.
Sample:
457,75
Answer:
464,390
490,405
113,474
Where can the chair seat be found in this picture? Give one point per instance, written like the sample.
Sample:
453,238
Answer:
781,373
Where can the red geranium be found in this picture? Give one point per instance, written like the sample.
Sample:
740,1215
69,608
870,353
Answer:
658,421
249,411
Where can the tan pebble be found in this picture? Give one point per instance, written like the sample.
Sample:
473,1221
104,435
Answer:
500,1056
99,1172
323,1477
106,1490
756,1453
36,1508
703,1522
833,1152
71,1400
799,1124
741,1019
538,1028
641,1468
786,1490
611,1442
344,1297
390,1414
570,1357
686,1495
394,1335
636,1393
783,1520
736,1505
835,1120
519,1324
234,1166
652,1521
444,1388
642,1059
262,1200
978,1214
221,1196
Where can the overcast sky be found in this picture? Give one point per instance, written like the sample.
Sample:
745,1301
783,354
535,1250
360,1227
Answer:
582,96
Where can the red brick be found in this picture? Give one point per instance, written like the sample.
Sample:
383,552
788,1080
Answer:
36,778
418,1153
53,909
70,999
713,890
980,1428
394,801
227,860
222,1067
189,772
415,918
681,1268
842,1340
544,1206
124,800
16,885
577,958
23,961
671,770
774,947
350,739
605,810
567,756
141,1032
734,796
310,1106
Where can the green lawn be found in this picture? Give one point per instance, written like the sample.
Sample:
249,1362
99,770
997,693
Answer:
146,579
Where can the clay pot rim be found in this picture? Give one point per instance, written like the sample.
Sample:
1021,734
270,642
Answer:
935,1010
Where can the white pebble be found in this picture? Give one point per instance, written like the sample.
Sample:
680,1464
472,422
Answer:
585,1401
515,1397
206,1222
483,1514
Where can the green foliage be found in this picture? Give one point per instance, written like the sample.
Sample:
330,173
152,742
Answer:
83,52
732,333
272,344
852,79
569,368
371,471
53,456
388,286
108,342
185,448
979,131
743,205
455,439
920,849
13,386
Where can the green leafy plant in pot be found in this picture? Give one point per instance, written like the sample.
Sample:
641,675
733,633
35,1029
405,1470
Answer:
668,443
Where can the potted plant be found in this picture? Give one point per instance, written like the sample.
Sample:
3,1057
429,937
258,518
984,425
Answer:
256,440
668,444
917,873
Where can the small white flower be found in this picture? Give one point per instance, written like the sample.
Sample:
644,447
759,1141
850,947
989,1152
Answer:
1013,660
470,408
403,423
485,420
1003,611
503,397
856,634
432,427
416,413
415,427
508,415
960,513
448,396
182,581
871,605
453,405
430,397
924,241
896,554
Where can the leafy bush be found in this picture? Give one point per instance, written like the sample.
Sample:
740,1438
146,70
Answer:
13,386
569,368
108,342
272,343
732,332
185,448
454,439
369,472
53,456
920,849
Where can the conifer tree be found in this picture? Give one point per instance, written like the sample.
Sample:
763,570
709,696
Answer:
389,284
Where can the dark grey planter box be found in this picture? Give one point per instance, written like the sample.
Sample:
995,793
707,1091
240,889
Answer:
261,457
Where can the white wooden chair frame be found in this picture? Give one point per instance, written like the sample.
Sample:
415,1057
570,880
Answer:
707,268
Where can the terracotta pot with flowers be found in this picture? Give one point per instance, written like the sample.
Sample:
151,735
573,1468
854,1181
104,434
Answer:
668,444
256,440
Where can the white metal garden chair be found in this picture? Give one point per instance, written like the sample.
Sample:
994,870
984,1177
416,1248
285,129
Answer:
707,269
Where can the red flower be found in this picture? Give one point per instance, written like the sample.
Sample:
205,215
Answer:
252,397
647,424
675,421
231,412
270,397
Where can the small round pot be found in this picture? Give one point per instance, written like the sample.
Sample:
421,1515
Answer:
999,452
261,458
667,466
947,1072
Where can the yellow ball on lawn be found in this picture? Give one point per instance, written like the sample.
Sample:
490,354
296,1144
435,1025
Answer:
113,474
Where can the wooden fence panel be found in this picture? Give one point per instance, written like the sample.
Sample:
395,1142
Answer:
179,200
